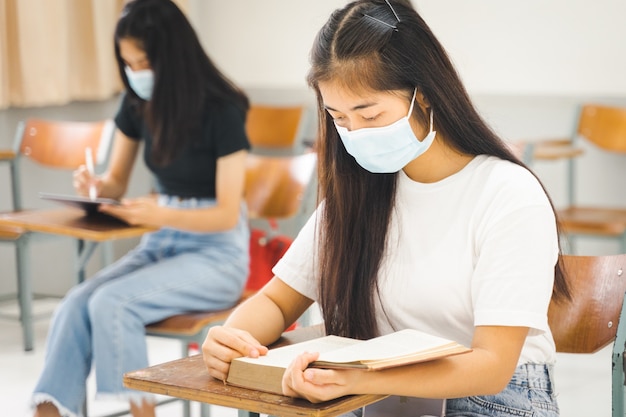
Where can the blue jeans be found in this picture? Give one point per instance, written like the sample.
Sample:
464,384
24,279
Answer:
529,393
102,320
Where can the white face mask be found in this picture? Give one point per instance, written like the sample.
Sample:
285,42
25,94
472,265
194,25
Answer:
386,149
142,82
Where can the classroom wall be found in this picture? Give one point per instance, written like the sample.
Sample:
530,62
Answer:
531,47
528,65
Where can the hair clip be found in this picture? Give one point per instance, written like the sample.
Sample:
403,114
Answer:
393,11
380,21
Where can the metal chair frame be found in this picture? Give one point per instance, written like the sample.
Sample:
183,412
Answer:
35,139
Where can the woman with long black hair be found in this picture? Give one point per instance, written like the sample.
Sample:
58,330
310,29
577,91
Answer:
190,119
426,221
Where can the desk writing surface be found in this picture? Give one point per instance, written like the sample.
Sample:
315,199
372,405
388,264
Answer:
6,155
188,378
72,222
556,151
10,232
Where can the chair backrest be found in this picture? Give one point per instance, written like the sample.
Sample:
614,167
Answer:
62,144
274,126
58,145
605,126
276,185
590,320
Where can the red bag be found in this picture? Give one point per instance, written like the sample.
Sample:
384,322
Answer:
266,249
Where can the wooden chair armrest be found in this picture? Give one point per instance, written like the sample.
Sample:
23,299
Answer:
10,232
7,155
554,142
556,149
551,149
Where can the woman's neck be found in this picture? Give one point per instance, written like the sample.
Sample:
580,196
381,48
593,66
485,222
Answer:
439,162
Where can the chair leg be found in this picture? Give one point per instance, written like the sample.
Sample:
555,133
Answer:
25,291
186,408
617,378
184,352
107,253
245,413
205,410
85,250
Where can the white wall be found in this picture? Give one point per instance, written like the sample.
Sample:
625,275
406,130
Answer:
556,47
261,44
539,47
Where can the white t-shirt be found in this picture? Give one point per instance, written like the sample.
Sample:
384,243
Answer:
476,248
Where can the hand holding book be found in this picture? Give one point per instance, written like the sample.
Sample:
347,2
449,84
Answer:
395,349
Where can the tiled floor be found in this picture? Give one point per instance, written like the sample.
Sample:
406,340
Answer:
19,370
583,382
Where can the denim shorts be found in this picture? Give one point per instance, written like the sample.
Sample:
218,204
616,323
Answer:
530,393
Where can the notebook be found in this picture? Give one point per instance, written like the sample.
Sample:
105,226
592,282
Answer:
83,203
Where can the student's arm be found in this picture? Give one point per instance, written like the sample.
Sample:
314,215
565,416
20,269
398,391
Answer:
230,180
114,182
484,371
257,322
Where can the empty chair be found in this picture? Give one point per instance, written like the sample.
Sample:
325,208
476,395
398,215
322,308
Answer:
594,317
51,144
604,127
273,127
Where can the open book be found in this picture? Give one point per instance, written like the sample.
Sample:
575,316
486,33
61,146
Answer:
395,349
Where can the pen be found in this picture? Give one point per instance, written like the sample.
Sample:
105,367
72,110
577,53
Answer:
93,193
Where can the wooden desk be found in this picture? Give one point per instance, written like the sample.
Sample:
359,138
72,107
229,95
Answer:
73,223
89,230
188,379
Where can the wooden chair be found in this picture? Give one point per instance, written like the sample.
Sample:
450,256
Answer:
58,145
604,127
595,316
275,189
274,127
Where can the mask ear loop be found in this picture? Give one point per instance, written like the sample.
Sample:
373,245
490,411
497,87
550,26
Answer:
431,120
412,103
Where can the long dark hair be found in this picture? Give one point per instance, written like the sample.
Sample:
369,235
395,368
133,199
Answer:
184,76
371,46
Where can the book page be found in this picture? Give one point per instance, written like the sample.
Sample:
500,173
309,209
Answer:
401,343
283,356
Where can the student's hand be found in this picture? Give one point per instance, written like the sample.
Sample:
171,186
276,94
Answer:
82,180
316,385
223,344
137,211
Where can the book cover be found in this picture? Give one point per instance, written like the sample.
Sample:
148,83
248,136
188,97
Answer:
395,349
